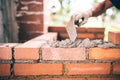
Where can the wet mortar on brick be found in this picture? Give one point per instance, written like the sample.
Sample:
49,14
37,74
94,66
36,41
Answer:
87,43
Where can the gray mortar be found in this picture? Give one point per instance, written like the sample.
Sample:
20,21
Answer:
67,43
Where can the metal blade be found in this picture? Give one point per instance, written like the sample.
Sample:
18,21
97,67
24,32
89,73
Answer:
71,30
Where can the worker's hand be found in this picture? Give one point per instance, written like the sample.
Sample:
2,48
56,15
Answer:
81,18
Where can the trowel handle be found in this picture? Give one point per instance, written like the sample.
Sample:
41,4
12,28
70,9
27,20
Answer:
78,22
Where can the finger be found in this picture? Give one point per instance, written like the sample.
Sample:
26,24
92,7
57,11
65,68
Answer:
79,16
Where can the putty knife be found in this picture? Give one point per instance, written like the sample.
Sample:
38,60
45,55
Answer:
71,30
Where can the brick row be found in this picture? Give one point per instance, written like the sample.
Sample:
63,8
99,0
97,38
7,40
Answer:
82,33
62,29
70,69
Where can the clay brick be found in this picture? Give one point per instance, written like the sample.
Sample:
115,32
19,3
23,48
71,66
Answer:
56,29
6,51
28,51
104,54
38,69
99,36
116,68
24,18
79,30
79,35
63,29
104,79
63,53
87,68
5,70
30,27
31,7
114,37
95,29
64,79
85,35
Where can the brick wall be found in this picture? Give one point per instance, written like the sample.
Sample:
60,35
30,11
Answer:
32,17
35,59
82,33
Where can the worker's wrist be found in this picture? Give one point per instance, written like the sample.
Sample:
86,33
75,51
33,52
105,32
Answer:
90,12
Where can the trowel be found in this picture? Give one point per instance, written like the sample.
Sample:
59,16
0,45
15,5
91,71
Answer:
71,28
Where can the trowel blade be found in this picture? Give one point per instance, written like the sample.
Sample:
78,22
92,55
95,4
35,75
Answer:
71,30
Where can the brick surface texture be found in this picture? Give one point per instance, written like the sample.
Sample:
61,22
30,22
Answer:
114,37
6,51
38,69
28,51
5,70
63,53
116,68
88,68
104,54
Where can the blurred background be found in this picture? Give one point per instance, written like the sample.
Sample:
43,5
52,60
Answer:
61,10
22,20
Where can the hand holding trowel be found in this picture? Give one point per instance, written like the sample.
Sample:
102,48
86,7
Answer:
79,18
71,28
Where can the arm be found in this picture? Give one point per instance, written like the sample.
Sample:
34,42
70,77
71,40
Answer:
100,8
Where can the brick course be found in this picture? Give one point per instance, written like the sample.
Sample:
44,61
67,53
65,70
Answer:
82,33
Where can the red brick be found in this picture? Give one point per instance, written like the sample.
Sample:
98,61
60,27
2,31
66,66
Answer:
95,30
116,68
28,51
24,18
63,29
6,51
79,35
79,30
56,29
38,69
99,36
63,53
114,37
104,54
31,7
30,27
104,79
5,70
85,35
64,79
87,68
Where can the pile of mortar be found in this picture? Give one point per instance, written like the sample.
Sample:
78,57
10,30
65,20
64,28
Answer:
83,43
